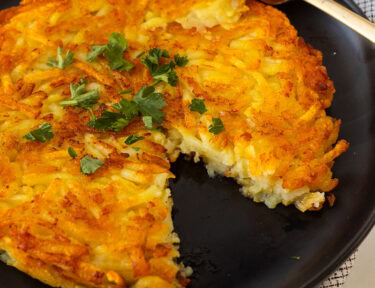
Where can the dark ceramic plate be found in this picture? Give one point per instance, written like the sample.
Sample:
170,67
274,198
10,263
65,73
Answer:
232,242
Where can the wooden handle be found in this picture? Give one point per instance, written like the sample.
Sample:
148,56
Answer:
349,18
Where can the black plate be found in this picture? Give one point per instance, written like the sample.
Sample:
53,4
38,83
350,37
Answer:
230,241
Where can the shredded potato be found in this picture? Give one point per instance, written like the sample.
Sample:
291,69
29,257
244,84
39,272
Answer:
114,228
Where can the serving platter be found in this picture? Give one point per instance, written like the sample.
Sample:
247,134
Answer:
230,241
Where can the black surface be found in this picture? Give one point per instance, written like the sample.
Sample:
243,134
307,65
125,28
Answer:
230,241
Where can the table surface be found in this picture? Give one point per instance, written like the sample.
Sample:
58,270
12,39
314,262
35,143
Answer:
362,274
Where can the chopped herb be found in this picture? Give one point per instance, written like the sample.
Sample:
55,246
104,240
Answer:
113,120
96,51
132,139
181,61
126,91
150,104
198,105
42,134
136,148
61,62
127,108
113,51
83,80
109,121
216,127
89,165
141,54
146,101
147,120
296,257
72,153
80,97
164,72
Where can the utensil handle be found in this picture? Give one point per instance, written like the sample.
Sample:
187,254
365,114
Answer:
349,18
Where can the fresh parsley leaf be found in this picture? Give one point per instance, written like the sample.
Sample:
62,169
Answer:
83,80
113,51
136,148
296,257
132,139
198,105
126,91
72,153
128,108
117,42
147,120
181,61
116,121
150,104
216,127
61,62
80,97
42,134
146,101
141,54
155,54
164,72
96,51
109,121
120,64
89,165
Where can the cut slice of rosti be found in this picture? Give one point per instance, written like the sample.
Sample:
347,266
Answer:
106,222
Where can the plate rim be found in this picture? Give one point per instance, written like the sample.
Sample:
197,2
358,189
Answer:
366,226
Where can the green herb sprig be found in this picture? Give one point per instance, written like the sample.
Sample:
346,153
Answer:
133,139
61,62
113,52
82,98
198,105
42,134
89,165
216,127
163,72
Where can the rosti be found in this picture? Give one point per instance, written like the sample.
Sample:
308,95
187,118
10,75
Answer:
84,201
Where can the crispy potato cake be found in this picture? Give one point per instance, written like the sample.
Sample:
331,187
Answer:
88,206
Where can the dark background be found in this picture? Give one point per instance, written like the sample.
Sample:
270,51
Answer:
232,242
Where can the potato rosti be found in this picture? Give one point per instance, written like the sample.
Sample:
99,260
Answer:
98,97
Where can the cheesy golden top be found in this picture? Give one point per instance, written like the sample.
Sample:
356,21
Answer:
113,228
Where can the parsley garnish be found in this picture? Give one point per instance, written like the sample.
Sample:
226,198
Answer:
83,80
109,121
113,51
42,134
181,61
141,54
80,97
136,148
198,105
164,72
128,108
116,121
61,62
72,153
216,127
132,139
147,120
150,104
126,91
90,165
